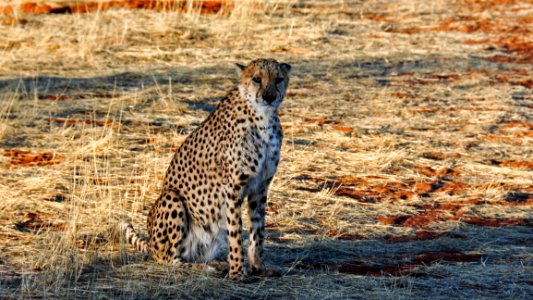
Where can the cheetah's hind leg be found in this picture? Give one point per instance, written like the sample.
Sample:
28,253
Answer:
170,234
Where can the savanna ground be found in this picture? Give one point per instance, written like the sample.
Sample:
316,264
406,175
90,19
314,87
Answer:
407,166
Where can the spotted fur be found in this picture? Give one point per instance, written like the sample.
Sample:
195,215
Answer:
230,159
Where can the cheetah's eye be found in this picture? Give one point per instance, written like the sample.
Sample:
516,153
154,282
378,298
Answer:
279,80
257,79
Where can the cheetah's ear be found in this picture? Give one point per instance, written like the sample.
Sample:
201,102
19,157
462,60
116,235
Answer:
240,68
285,67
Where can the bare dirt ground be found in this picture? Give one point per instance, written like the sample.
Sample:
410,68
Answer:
407,166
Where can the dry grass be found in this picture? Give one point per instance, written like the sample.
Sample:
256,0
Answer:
406,170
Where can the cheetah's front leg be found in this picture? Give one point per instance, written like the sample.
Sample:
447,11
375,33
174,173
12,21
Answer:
235,254
257,205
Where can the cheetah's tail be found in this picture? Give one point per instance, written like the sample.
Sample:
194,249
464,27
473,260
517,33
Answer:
126,229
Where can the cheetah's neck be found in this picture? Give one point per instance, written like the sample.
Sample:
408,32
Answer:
267,112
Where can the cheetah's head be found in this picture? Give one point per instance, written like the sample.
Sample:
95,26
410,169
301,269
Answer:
264,81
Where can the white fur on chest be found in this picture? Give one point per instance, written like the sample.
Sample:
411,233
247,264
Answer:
268,163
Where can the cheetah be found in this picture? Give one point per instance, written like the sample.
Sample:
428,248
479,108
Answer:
230,159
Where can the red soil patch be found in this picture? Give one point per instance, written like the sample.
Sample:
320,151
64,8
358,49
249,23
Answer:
406,268
510,43
393,219
28,158
80,121
450,211
445,76
487,4
291,129
451,188
516,44
205,7
418,221
34,221
473,108
380,17
343,128
402,95
430,257
379,193
438,211
360,189
423,187
516,128
272,211
469,24
495,222
511,140
514,60
440,155
345,181
35,8
513,80
320,8
516,124
6,10
13,21
429,171
81,96
521,49
366,192
518,26
454,108
322,121
115,180
517,164
455,205
424,110
344,235
296,93
431,78
371,36
391,190
407,30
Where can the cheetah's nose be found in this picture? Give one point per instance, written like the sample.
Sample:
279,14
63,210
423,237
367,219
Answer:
269,98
